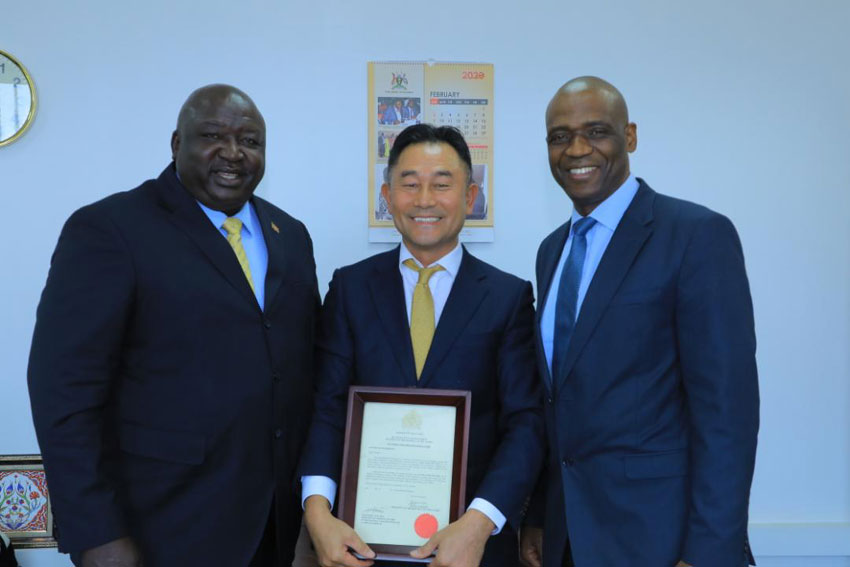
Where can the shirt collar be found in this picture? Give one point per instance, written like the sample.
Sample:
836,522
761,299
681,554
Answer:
450,262
610,211
244,214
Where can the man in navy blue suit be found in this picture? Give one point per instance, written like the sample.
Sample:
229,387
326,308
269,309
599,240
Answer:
393,113
646,346
171,365
483,342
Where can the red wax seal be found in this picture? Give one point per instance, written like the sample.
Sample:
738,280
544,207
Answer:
425,525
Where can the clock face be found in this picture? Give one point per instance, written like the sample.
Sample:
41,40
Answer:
17,99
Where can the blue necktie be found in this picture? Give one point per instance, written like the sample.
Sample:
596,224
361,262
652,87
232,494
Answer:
565,305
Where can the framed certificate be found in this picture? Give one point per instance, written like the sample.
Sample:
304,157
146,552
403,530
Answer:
404,465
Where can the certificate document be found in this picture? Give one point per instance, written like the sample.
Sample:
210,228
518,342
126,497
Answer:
405,472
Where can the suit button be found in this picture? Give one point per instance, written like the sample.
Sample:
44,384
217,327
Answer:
278,433
276,377
549,400
267,324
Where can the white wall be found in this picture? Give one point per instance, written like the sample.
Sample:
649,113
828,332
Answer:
742,106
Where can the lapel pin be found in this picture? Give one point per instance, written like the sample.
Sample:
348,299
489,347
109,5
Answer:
275,228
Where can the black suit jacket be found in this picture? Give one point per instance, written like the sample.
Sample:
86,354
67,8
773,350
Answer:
168,406
483,343
652,424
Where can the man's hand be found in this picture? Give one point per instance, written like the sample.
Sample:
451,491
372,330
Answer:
531,546
117,553
683,564
461,543
332,538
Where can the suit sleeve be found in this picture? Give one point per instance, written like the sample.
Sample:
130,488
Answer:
308,401
334,365
514,468
715,331
76,350
536,512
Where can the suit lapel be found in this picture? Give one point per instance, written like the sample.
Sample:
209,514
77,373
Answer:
629,237
466,295
550,257
277,253
189,218
387,291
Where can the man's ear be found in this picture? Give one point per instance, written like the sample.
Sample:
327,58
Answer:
471,194
175,144
385,193
631,137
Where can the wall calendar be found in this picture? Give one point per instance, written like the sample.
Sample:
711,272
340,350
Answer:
452,94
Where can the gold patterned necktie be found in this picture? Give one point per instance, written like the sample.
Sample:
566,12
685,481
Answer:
422,314
233,226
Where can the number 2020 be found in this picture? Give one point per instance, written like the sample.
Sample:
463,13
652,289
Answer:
472,75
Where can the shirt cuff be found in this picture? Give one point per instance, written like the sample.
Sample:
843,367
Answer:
488,510
317,484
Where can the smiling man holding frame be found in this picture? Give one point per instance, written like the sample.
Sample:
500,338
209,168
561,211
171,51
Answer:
428,314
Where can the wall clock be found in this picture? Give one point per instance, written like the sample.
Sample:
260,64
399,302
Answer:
17,99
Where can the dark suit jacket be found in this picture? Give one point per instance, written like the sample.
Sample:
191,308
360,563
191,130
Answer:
652,425
168,406
483,343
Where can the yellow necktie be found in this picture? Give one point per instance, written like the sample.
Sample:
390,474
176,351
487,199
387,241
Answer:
233,226
421,314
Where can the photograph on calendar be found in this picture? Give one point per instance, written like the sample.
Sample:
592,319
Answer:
380,211
479,207
385,141
399,111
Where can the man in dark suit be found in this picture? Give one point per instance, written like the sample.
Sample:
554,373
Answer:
483,342
646,346
171,365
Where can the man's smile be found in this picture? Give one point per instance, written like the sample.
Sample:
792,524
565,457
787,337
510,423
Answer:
426,220
228,176
581,173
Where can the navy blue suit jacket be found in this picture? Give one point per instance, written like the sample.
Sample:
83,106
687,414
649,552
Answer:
483,343
168,406
392,115
652,424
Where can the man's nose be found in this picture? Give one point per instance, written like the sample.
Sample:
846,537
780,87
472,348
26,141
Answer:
230,149
424,197
578,146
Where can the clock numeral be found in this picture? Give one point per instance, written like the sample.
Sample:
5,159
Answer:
17,80
3,68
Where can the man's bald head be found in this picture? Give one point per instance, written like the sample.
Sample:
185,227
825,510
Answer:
202,99
589,137
219,147
601,88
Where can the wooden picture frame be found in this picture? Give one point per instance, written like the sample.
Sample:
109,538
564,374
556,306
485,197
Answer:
26,514
358,397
